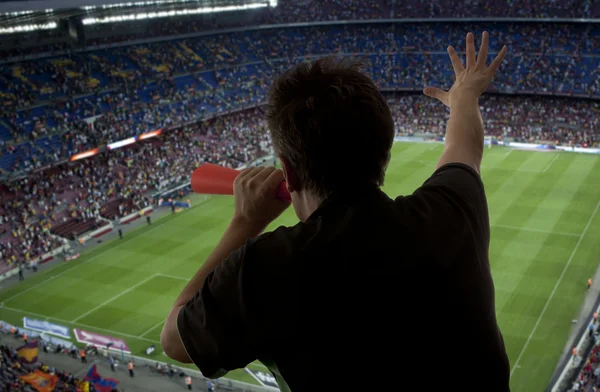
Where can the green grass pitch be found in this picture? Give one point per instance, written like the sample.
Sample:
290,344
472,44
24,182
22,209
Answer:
545,245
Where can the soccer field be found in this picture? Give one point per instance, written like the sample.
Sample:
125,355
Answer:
545,245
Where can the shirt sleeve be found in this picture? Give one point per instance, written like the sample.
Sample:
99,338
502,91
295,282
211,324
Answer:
451,210
214,325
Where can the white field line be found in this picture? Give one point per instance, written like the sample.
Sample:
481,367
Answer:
173,277
508,153
148,331
560,278
517,170
537,230
113,298
550,164
162,322
79,324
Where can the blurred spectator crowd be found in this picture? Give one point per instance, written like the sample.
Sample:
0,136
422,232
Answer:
114,184
56,107
588,379
529,119
302,11
97,190
11,368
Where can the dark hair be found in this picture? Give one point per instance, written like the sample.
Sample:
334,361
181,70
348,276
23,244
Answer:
332,125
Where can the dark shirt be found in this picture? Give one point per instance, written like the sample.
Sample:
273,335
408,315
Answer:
359,292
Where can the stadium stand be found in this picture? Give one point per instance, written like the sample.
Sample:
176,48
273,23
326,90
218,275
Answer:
192,78
589,378
291,11
71,199
76,198
12,369
67,102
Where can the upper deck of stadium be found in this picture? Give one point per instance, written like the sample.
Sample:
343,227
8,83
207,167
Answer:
151,83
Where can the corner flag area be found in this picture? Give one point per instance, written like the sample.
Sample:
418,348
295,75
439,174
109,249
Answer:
545,221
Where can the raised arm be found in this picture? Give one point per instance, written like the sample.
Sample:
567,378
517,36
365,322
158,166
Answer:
464,131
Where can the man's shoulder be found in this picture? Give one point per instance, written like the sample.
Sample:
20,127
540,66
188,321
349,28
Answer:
281,243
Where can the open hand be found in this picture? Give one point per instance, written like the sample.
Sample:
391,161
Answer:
255,202
472,80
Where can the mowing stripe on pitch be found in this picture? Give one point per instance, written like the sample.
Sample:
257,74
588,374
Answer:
537,230
114,298
560,278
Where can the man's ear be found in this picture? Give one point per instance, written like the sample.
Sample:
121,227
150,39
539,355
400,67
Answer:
291,179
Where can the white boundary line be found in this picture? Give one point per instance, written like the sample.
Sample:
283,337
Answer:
113,298
551,162
106,249
163,321
173,277
157,325
79,324
560,278
508,153
537,230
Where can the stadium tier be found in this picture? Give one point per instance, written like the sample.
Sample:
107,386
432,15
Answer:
140,88
69,200
93,134
292,11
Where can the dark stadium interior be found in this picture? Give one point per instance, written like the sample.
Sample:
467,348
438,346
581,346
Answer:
76,78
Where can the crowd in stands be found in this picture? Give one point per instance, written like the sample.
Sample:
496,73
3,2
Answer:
294,11
114,184
559,121
588,380
125,178
323,10
555,57
56,107
140,88
11,368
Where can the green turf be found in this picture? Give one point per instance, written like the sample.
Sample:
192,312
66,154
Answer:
540,205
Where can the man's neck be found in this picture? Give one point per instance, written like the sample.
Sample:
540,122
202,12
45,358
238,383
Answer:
307,203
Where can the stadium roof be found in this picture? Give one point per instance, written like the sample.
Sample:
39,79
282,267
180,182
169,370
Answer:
45,14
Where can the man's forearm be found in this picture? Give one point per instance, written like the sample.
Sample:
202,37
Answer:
464,133
465,124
